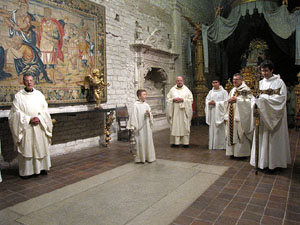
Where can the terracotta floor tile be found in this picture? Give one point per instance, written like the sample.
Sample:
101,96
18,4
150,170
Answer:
247,222
230,190
294,200
257,201
255,209
192,212
265,185
208,216
199,205
281,187
276,205
233,187
274,213
201,222
251,182
244,193
183,220
263,190
225,196
292,216
267,220
232,212
248,188
288,222
275,198
241,199
225,220
295,188
293,208
247,215
258,195
210,194
268,180
237,205
280,193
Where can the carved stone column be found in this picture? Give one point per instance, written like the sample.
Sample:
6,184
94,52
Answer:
200,90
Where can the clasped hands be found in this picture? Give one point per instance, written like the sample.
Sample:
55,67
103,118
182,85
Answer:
212,103
177,100
147,113
34,121
232,99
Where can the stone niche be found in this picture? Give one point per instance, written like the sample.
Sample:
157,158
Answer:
154,71
155,84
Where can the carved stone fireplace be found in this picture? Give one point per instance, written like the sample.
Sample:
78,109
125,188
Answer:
154,71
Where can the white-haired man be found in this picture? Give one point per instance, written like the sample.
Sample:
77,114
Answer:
179,113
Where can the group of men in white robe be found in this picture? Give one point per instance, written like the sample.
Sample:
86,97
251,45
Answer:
232,126
230,119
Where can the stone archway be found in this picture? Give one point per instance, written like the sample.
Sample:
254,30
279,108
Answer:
155,84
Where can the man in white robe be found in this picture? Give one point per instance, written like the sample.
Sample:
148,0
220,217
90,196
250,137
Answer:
31,127
214,112
239,119
274,146
179,113
140,123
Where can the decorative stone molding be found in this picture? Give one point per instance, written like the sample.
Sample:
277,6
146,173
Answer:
154,70
147,57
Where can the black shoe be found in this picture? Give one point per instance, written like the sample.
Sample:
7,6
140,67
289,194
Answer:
174,146
186,146
271,171
25,177
44,172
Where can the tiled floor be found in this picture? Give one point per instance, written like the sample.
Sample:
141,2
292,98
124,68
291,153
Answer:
238,197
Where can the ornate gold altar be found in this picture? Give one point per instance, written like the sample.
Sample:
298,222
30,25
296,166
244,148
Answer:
251,60
251,76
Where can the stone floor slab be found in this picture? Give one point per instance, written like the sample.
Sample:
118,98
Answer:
129,194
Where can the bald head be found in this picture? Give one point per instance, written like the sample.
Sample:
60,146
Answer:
179,81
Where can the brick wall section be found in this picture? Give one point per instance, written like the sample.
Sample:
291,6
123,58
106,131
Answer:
68,127
74,126
6,140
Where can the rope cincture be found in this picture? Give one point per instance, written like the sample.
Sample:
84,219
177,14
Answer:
231,119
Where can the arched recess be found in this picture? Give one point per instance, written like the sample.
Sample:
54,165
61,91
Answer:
155,82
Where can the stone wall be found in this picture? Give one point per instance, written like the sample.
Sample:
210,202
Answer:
150,15
77,129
